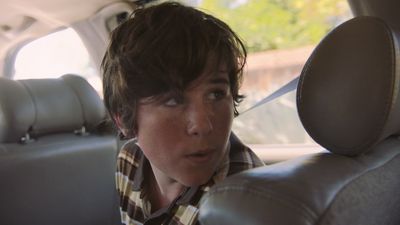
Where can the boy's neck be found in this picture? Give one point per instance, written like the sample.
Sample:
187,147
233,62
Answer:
163,190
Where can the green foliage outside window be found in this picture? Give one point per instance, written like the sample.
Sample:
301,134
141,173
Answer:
276,24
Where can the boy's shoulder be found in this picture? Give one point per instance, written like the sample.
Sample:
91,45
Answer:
241,157
130,153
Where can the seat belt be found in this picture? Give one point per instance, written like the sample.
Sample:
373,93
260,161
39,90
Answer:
290,86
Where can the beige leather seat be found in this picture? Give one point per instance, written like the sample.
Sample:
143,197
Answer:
348,100
56,166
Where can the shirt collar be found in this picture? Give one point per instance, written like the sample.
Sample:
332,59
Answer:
191,192
143,166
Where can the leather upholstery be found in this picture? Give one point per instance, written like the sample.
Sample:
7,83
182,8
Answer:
348,101
348,98
45,106
62,174
17,111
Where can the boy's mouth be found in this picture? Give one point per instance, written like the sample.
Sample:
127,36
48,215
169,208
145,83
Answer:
201,156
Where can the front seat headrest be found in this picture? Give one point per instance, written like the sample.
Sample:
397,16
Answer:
45,106
348,92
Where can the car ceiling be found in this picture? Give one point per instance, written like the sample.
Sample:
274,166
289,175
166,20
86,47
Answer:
25,19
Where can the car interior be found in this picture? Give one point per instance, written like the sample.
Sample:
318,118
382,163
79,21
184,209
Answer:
348,101
58,149
57,160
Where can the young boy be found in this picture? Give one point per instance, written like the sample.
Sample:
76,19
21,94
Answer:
171,80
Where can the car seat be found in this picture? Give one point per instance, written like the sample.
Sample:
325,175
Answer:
349,102
56,165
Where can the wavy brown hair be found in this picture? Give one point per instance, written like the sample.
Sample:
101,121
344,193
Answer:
164,48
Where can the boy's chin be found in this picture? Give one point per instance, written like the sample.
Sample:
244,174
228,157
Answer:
196,181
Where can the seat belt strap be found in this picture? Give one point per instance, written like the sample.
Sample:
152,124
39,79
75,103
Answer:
290,86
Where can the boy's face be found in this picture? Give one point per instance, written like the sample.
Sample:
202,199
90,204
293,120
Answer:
185,137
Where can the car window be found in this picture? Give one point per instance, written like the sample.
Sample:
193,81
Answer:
279,35
54,55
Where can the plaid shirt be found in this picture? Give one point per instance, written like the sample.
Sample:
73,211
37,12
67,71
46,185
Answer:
130,178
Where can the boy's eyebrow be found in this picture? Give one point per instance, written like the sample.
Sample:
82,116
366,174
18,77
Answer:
219,80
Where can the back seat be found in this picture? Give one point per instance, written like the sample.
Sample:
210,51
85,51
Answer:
56,164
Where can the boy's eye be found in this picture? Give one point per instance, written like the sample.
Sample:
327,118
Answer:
171,102
218,94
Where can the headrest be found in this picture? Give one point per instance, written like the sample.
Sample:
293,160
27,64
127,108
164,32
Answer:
42,106
348,92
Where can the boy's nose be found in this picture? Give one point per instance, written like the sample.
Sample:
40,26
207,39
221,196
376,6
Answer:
199,120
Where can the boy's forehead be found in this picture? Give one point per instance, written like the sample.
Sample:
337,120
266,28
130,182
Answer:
214,70
210,77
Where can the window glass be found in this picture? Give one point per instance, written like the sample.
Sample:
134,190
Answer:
279,35
54,55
